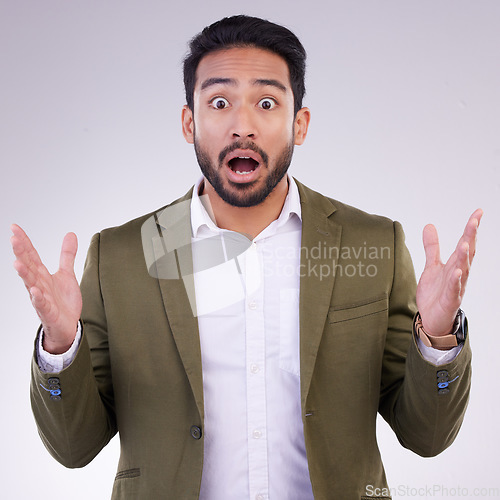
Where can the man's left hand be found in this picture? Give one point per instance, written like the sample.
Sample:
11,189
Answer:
442,286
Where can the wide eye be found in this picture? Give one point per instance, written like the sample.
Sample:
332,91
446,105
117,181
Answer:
267,103
219,103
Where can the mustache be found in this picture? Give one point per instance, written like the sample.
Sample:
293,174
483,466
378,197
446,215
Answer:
243,145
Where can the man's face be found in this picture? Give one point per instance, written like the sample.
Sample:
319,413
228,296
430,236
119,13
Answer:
243,125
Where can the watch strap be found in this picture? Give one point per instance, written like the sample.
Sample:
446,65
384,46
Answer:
442,342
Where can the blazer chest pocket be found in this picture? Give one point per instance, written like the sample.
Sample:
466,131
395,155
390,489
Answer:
348,312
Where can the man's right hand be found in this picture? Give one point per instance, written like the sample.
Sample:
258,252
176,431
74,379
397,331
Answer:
56,297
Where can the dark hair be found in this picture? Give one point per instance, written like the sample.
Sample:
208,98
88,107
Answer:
246,31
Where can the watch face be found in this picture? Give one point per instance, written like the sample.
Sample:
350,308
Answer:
462,328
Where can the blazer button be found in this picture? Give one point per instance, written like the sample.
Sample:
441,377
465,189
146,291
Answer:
195,432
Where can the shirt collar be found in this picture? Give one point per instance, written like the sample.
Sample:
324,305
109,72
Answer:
201,222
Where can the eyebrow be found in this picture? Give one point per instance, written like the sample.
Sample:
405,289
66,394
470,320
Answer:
272,83
216,81
265,82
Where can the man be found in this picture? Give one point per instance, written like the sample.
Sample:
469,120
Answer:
226,375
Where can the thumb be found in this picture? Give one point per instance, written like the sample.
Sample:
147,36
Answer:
68,253
431,245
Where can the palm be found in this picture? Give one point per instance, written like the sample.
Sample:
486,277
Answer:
441,287
63,301
435,300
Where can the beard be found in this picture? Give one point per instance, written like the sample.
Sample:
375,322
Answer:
247,194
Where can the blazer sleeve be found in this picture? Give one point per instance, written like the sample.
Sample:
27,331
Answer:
73,409
425,418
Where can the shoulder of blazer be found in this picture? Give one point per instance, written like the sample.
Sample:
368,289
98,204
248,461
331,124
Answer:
131,227
341,213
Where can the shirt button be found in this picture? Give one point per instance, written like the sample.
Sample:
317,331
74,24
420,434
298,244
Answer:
254,368
252,305
256,434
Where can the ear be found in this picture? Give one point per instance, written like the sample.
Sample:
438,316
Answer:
187,124
301,124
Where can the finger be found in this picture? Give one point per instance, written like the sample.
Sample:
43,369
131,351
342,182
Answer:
470,232
463,264
37,299
478,215
468,237
28,264
42,305
23,248
451,297
455,289
68,253
431,245
25,274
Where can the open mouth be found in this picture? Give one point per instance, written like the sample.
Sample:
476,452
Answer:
243,165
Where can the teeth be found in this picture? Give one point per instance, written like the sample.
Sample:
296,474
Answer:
242,173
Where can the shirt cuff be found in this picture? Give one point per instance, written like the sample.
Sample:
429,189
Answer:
56,363
436,356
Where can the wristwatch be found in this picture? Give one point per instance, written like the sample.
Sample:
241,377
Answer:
444,342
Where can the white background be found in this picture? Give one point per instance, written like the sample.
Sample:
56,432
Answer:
405,109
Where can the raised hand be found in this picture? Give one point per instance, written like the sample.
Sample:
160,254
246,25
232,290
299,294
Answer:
442,286
56,297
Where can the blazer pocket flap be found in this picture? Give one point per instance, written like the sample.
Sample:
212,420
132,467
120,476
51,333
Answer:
125,474
359,310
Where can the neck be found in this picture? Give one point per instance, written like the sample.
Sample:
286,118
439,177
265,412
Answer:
249,221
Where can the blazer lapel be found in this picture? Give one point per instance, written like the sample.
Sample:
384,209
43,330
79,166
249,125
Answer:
320,247
174,269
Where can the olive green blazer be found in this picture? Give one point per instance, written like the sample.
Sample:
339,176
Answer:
138,368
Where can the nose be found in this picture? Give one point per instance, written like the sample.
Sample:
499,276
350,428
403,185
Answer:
243,124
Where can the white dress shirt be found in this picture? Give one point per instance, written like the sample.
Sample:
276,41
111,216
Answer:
248,316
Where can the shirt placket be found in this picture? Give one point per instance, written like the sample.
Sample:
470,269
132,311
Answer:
256,376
